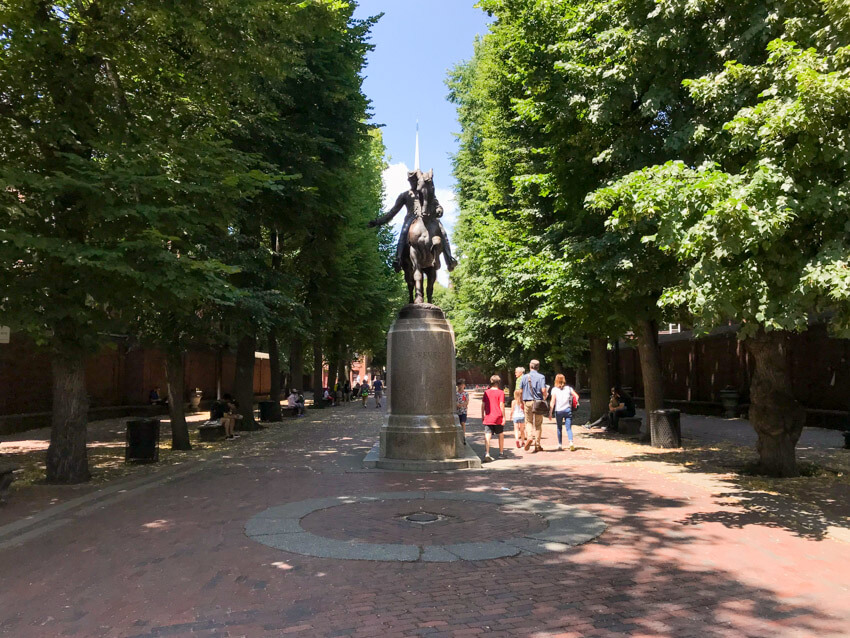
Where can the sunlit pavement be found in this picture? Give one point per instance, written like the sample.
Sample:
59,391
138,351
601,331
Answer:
684,553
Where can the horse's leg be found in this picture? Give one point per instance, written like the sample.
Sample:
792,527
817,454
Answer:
408,278
417,276
432,277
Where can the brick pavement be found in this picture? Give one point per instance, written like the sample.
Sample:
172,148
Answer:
683,556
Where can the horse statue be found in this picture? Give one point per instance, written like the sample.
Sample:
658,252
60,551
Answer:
423,238
424,244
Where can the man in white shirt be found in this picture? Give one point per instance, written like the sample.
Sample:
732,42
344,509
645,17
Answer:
294,401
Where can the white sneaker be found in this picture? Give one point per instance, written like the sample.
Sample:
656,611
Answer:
488,459
560,448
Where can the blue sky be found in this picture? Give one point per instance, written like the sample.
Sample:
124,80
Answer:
416,43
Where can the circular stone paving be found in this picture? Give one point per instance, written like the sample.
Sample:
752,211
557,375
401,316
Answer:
388,521
461,526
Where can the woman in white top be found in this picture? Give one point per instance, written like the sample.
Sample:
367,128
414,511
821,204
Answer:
563,397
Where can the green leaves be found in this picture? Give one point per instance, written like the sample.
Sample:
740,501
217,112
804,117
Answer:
148,152
660,157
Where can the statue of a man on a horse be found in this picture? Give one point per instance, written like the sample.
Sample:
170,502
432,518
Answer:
423,238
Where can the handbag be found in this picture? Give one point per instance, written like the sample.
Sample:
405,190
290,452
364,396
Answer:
574,399
538,406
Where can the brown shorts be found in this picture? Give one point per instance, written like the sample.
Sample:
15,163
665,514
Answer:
533,419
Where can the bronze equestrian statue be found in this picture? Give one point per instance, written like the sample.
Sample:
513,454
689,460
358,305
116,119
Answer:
422,239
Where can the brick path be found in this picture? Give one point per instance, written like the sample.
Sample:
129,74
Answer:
685,554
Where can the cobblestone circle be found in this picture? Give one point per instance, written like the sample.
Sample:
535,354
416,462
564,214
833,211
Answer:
376,530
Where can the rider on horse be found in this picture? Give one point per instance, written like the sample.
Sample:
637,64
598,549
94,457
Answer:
412,199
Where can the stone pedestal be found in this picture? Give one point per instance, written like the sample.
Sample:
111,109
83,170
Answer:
421,430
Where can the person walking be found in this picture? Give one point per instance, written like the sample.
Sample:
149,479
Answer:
534,393
493,415
518,417
518,372
564,400
378,385
364,392
461,405
346,391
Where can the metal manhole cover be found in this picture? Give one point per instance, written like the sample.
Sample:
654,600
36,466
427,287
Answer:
422,517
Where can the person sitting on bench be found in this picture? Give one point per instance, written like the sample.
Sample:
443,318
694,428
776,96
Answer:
230,418
294,400
154,398
621,405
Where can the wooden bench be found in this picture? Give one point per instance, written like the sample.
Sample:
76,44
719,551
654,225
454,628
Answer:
289,412
629,425
7,476
211,431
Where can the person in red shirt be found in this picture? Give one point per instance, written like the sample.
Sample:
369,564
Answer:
493,415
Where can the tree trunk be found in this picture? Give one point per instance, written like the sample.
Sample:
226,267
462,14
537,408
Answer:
599,388
557,366
243,383
616,364
650,367
275,380
318,366
176,407
67,459
296,364
340,366
774,413
274,374
581,377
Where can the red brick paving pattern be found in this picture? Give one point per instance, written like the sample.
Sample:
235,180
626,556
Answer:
383,522
680,558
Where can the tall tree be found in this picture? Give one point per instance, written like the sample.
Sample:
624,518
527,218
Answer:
108,140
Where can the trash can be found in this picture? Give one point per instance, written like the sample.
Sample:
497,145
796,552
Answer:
269,411
142,441
665,428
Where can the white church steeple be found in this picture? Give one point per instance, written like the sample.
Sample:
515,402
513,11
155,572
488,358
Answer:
416,159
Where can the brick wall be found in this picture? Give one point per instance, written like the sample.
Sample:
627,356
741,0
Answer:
696,370
116,376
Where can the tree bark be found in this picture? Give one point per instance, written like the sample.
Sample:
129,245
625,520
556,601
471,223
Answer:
176,407
243,383
774,412
557,366
296,364
274,374
599,388
318,367
581,377
650,367
275,380
340,366
67,458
